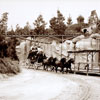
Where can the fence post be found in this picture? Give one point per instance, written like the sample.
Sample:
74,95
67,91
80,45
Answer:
61,45
74,57
88,64
92,62
74,64
51,50
78,66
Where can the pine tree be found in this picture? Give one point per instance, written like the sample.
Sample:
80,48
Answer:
39,25
57,23
27,28
80,19
3,23
69,21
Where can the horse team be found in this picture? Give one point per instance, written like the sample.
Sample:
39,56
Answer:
51,63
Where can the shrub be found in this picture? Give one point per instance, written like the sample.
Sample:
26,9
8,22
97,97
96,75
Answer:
8,66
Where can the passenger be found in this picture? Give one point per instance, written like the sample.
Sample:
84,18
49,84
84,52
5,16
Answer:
40,50
29,55
35,49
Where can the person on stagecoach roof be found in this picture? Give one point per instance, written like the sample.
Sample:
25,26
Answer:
33,51
39,49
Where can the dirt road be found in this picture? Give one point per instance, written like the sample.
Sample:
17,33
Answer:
41,85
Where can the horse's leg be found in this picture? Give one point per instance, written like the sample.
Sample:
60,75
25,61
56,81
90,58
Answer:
52,68
37,66
66,69
70,69
56,68
44,67
32,65
47,67
62,70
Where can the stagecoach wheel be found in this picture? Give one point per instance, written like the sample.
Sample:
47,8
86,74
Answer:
32,66
37,66
27,63
29,66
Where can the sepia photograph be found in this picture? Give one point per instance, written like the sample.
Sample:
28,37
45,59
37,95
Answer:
49,50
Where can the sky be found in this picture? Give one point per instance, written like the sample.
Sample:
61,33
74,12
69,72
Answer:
22,11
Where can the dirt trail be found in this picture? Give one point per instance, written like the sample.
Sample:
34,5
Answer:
41,85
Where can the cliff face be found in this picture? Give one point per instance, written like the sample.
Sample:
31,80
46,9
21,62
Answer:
23,49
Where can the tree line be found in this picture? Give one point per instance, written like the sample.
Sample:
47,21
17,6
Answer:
57,26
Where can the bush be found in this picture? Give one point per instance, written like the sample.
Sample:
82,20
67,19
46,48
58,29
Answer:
7,66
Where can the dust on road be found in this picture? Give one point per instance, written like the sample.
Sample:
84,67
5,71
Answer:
41,85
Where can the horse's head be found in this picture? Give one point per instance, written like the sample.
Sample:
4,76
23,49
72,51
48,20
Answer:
71,60
40,57
55,59
50,59
63,60
44,56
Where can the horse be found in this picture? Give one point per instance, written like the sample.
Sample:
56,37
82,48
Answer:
40,58
47,63
67,65
53,63
60,64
